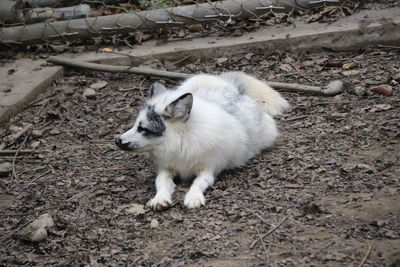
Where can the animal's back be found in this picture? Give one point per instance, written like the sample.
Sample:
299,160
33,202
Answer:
211,88
259,126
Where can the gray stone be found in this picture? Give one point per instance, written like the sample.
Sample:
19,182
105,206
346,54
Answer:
136,209
360,90
68,90
396,77
89,93
5,169
54,132
37,230
98,85
221,60
154,223
37,133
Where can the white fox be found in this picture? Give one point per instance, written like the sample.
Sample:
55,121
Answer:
208,124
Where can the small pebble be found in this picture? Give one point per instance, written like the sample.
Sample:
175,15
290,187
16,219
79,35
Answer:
37,133
221,60
360,90
5,169
396,77
98,85
154,223
54,132
89,93
68,90
136,209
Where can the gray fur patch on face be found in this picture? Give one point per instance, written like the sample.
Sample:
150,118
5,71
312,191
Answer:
153,125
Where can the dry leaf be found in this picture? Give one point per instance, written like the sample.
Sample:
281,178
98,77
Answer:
195,27
350,65
106,50
383,89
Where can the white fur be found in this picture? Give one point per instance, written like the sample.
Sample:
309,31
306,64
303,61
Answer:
258,90
225,129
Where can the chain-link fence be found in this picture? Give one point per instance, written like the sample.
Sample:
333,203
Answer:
26,22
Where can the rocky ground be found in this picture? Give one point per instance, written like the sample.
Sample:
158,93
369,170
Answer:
326,194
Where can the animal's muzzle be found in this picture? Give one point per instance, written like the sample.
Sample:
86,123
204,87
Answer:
124,146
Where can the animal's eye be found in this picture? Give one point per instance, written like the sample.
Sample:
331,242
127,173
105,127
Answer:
145,131
141,129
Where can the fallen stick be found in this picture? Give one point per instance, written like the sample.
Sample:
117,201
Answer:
271,231
14,172
262,243
7,152
332,88
124,69
10,140
366,254
389,46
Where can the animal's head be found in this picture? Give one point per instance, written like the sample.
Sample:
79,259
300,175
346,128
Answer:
162,108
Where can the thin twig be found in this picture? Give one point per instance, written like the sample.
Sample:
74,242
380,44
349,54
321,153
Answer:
33,212
262,242
389,46
327,246
37,178
34,102
126,89
141,88
366,254
181,60
297,118
42,107
51,207
301,74
272,230
14,173
261,218
6,152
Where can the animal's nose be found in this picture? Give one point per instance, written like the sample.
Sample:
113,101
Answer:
123,146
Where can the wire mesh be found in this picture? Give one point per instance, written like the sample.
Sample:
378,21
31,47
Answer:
26,22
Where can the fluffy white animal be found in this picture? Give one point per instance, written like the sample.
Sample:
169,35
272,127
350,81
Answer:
208,124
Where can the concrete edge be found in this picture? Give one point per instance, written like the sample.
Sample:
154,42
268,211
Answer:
342,36
35,89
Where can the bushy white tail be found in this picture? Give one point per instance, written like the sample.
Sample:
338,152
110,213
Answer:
258,90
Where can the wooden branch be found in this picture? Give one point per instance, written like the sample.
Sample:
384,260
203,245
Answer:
126,69
333,88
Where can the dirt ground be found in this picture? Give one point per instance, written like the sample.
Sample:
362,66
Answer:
327,194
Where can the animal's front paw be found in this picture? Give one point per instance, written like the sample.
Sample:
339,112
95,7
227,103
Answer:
194,199
160,202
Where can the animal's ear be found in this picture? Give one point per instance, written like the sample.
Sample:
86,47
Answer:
156,89
180,108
